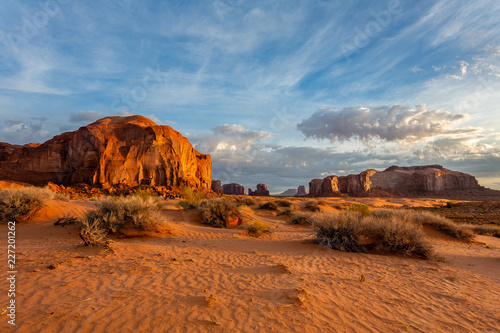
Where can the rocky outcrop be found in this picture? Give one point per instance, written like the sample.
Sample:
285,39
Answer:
233,189
216,186
419,180
288,193
260,191
301,191
112,151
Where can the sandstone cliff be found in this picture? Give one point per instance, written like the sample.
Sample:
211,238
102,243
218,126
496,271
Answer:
111,151
260,191
233,188
419,180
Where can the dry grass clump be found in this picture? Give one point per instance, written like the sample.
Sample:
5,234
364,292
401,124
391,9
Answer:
359,208
17,202
192,198
437,222
219,213
352,232
301,218
284,203
487,230
245,201
256,228
313,205
269,205
114,214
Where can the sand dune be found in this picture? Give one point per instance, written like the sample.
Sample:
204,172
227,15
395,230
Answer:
200,279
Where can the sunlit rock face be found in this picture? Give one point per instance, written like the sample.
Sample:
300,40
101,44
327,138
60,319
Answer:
417,180
114,150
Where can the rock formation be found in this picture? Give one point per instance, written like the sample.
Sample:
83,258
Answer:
112,151
301,191
260,191
418,180
216,186
288,193
233,188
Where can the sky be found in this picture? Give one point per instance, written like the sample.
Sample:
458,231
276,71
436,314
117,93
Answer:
277,92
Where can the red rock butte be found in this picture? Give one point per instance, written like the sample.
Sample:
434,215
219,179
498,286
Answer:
111,151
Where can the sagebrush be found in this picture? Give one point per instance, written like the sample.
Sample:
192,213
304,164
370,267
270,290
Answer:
256,228
218,213
18,202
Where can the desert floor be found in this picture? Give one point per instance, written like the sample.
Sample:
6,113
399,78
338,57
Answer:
200,279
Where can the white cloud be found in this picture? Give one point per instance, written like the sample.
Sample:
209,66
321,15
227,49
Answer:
396,123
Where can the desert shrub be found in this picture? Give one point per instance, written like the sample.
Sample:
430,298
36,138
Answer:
144,194
301,218
269,205
17,202
245,201
93,232
359,208
218,213
345,231
437,222
337,206
113,214
256,228
312,205
288,211
284,203
353,232
450,204
487,230
192,198
399,236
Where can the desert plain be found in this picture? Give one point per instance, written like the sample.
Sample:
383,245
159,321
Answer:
194,278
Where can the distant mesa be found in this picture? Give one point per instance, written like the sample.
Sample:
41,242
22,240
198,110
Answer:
233,189
294,192
399,181
260,191
216,186
301,191
113,151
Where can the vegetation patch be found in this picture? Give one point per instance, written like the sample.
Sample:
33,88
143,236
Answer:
256,228
219,213
352,232
301,218
18,202
245,201
114,214
313,205
362,209
192,198
284,203
487,230
269,205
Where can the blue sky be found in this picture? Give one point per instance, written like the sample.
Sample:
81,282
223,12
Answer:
278,92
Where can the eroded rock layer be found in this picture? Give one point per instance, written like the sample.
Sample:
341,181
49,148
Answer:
112,151
418,180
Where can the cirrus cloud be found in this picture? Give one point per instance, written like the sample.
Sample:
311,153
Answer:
396,123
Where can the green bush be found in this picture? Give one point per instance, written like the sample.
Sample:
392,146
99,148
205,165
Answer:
218,213
359,208
301,218
269,205
18,202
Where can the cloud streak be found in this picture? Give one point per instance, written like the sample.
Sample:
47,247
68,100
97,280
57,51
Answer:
394,124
